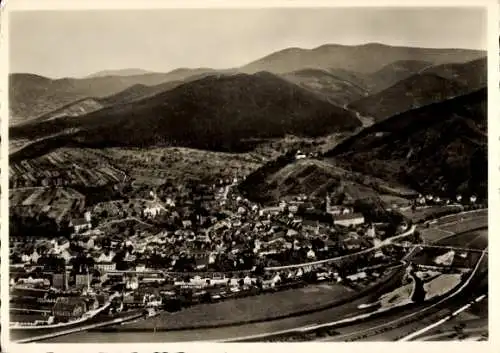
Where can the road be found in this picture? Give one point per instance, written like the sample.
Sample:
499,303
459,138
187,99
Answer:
389,326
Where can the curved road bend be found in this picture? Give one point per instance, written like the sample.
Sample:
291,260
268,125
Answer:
400,324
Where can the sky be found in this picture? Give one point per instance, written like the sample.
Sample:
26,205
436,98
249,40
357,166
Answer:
78,43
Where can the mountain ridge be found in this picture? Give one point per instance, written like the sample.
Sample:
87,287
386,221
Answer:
212,113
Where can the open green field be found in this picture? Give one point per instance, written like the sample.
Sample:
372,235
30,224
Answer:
423,214
432,235
466,225
476,239
254,308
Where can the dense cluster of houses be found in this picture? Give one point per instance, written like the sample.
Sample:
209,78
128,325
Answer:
205,229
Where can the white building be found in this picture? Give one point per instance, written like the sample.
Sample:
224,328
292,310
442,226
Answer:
349,219
132,283
311,254
370,233
152,211
300,155
105,266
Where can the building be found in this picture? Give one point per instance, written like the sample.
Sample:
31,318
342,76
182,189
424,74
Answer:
131,282
357,276
300,155
334,210
349,219
152,211
60,280
134,300
83,280
370,233
80,224
105,266
69,308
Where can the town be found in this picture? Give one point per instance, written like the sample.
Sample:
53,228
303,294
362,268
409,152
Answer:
170,247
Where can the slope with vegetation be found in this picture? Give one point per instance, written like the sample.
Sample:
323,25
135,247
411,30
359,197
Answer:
230,113
441,147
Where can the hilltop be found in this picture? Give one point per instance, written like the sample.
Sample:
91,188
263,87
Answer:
338,90
473,74
32,96
214,113
366,58
120,72
441,146
394,72
430,85
413,92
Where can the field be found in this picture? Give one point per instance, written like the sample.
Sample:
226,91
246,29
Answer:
466,225
443,230
424,213
399,296
56,202
441,285
182,163
476,239
262,307
66,166
465,216
98,167
432,235
395,201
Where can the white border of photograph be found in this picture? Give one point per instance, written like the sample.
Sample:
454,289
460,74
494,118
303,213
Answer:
494,186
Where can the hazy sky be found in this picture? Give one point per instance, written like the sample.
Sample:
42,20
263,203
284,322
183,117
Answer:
78,43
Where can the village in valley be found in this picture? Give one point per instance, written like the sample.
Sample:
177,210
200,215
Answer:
168,247
298,187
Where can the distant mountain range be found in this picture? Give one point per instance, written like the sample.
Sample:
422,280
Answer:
441,146
429,108
366,58
120,72
429,85
31,96
337,72
215,113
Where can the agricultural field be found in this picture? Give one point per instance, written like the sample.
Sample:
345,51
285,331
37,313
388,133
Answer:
55,202
424,213
457,217
432,235
441,285
262,307
476,239
156,165
399,296
466,224
65,167
394,201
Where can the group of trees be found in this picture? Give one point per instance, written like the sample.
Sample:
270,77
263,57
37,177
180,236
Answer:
36,225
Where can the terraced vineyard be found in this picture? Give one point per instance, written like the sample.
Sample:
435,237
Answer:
65,167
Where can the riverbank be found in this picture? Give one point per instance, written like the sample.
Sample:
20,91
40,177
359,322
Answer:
115,321
262,308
